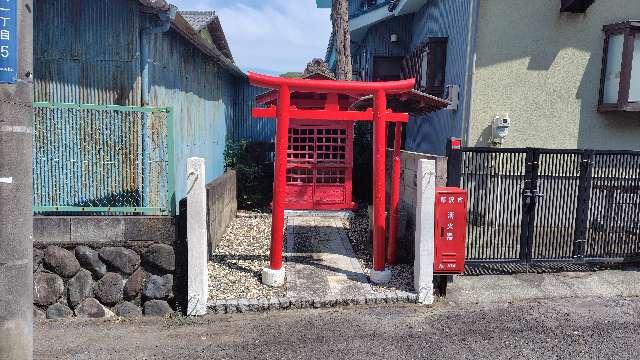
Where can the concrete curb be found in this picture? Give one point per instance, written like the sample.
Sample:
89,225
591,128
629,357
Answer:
233,306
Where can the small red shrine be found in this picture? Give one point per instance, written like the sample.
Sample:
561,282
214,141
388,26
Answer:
319,152
314,151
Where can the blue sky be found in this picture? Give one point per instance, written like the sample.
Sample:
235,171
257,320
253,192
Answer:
273,35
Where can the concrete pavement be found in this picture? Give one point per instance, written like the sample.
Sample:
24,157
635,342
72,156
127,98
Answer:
486,289
583,328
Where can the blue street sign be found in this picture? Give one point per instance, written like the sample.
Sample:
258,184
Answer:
8,41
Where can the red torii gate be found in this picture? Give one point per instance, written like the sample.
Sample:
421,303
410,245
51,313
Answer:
379,114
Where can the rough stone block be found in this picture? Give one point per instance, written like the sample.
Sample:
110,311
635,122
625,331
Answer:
127,309
61,261
58,311
90,260
157,308
160,257
121,259
90,308
158,287
47,288
108,290
133,286
79,287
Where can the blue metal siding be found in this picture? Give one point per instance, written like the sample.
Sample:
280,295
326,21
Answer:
86,51
243,125
441,18
202,95
438,18
377,42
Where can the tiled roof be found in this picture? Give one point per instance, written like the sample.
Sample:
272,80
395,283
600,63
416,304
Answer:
199,19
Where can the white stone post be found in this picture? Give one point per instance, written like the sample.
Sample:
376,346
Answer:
424,241
197,273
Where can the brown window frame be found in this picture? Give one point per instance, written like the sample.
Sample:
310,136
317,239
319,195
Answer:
412,66
630,29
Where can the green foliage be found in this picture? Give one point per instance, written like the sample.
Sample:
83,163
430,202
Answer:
254,173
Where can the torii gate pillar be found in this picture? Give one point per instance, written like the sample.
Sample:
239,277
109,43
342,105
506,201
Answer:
380,115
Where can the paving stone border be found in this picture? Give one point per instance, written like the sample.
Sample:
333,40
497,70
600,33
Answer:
233,306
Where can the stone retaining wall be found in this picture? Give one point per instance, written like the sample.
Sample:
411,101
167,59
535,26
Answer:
408,196
222,206
101,266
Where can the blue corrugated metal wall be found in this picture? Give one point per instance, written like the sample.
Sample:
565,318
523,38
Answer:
88,51
245,127
201,95
441,18
438,18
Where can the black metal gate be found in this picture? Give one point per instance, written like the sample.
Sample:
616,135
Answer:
548,205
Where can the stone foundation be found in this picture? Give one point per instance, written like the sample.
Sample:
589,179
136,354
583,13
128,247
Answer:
103,266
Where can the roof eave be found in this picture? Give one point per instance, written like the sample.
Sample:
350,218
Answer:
182,27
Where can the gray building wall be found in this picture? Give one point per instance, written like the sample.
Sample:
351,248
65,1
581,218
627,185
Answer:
543,68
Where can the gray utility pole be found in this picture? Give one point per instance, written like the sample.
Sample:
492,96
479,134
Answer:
16,214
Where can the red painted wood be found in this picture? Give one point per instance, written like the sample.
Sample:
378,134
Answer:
280,178
379,147
328,86
395,196
326,182
329,115
320,165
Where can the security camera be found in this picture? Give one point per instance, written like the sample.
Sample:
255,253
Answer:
500,128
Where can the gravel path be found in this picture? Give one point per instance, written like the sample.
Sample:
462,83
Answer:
235,267
358,231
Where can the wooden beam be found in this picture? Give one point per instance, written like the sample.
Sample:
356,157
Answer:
299,114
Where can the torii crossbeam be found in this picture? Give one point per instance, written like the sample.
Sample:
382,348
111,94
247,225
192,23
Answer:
379,114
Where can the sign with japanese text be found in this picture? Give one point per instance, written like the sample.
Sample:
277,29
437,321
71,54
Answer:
8,41
450,228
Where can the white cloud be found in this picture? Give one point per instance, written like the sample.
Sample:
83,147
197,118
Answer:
280,35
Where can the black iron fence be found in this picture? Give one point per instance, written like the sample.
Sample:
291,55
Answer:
549,205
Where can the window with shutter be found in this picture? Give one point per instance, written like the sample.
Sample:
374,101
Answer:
427,64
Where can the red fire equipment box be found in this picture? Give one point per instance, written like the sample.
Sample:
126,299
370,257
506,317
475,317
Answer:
450,230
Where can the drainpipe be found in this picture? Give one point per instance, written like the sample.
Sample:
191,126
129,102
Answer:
157,27
471,64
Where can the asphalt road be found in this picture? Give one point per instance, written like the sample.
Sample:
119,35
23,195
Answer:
587,328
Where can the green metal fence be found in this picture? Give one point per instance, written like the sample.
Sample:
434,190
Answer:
102,159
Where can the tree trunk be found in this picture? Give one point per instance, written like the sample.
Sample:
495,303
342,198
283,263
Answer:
342,38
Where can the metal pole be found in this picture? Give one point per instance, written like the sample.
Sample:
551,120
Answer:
395,196
379,148
280,176
16,199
